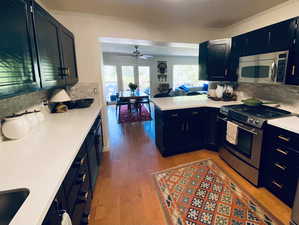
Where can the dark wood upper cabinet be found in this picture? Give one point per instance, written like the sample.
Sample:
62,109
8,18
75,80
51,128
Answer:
281,35
293,67
69,55
36,51
214,60
277,37
257,42
18,73
47,31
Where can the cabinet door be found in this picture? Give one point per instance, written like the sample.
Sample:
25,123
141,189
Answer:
195,128
18,73
239,44
217,60
92,160
212,138
257,42
58,205
281,35
293,68
202,61
49,49
69,56
174,130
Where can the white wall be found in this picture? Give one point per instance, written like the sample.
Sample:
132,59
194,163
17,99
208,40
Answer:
117,60
89,28
276,14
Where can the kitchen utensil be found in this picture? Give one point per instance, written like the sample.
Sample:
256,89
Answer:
212,93
256,102
219,91
15,127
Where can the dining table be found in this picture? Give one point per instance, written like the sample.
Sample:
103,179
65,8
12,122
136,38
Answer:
133,99
128,95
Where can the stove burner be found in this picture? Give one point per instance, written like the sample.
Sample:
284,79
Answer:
264,112
255,116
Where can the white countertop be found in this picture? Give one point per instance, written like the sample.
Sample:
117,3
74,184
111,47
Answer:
40,161
288,123
184,102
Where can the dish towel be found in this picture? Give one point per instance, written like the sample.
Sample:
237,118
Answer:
232,133
66,220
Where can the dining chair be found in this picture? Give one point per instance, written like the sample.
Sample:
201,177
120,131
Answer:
142,101
119,103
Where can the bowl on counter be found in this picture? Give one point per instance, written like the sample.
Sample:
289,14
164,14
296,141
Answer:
80,103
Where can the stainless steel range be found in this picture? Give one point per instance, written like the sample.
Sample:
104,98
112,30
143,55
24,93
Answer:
245,155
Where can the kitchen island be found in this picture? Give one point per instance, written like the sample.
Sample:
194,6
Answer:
187,123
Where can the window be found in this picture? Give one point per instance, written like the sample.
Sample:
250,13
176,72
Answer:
110,82
185,75
127,76
144,78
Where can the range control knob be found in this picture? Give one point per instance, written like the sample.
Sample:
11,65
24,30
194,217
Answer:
250,120
256,121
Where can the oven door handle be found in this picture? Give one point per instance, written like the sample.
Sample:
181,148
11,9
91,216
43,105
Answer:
248,130
239,125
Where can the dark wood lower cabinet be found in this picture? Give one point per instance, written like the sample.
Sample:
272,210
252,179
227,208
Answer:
184,130
280,163
76,191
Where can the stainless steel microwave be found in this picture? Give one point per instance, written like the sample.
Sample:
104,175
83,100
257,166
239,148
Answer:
264,68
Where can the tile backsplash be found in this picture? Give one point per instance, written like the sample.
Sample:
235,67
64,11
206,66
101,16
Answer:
287,95
12,105
19,103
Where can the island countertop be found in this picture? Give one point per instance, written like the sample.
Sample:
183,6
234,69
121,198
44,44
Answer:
185,102
41,160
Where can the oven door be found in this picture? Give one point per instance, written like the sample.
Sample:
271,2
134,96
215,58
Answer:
249,145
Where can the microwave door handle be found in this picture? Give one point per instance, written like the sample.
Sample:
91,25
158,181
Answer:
273,71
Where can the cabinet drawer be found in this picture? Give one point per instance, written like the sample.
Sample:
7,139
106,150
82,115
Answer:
79,181
284,155
284,192
74,170
286,138
79,211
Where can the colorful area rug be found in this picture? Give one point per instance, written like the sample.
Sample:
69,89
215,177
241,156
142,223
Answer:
134,116
201,193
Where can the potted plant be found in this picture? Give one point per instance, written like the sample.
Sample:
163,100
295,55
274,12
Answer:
133,87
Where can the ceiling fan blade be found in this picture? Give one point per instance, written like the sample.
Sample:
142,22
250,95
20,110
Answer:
146,57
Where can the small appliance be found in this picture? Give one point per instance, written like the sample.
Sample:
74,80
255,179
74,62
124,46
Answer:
264,68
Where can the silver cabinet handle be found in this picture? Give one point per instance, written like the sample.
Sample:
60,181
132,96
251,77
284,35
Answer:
282,151
284,138
280,166
293,70
277,184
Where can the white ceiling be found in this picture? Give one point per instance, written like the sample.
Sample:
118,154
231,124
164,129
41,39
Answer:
205,13
126,46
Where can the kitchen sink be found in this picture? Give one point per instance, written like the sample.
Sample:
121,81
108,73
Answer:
10,202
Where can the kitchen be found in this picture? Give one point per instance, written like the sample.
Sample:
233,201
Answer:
38,171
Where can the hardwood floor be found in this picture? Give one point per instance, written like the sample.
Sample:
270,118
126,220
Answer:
125,192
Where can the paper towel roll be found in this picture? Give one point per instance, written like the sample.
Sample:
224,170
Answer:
66,220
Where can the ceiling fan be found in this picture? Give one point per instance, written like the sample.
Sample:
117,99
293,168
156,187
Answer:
136,53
